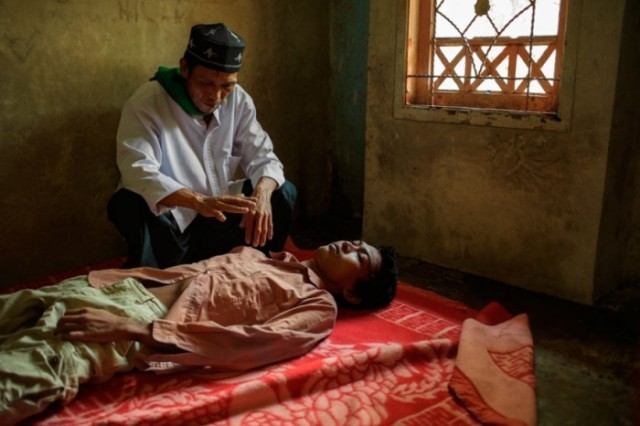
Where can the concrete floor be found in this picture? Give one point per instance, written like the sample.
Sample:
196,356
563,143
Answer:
587,358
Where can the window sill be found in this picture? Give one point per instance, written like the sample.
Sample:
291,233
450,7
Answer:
481,117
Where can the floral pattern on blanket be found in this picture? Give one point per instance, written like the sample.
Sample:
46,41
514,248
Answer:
387,366
397,365
360,384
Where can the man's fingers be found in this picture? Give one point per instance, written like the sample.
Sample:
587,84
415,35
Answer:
74,335
262,230
267,230
71,328
230,208
249,221
258,229
216,207
239,201
239,205
270,233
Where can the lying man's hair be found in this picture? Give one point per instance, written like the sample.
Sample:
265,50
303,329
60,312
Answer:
380,289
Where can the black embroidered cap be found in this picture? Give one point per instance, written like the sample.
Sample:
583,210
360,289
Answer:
215,46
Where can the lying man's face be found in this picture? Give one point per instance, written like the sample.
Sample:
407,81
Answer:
343,263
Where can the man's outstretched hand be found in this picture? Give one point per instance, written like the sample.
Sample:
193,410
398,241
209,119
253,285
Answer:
257,219
209,206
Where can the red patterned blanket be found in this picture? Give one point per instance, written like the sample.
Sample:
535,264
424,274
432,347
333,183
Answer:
424,360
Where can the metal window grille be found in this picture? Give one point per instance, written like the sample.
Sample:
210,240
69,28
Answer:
490,54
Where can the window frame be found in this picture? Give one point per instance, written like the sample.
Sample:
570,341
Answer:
561,121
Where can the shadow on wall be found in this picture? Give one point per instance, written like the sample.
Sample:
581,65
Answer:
58,176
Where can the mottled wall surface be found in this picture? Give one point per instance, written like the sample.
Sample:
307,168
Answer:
348,50
69,65
520,206
618,258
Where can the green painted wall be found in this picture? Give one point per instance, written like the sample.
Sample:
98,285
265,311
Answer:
347,109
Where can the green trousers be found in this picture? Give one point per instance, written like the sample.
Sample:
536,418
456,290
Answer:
37,368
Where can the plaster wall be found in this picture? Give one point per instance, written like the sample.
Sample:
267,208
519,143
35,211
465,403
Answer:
519,206
69,65
618,258
348,82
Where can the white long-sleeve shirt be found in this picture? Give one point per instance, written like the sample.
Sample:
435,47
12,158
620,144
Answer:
161,148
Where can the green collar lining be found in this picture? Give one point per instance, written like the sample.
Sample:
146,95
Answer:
176,86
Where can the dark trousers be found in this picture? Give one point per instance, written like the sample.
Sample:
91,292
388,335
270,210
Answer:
156,241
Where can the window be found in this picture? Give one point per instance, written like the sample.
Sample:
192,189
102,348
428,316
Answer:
504,56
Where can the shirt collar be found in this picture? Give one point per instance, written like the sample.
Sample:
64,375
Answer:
289,259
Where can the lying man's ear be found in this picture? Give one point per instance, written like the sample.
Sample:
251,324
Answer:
351,297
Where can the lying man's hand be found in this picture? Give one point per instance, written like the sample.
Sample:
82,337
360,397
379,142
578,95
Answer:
99,325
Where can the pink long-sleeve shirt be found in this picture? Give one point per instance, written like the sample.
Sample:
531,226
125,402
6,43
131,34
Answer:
238,311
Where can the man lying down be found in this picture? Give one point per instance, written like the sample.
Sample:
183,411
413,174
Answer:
229,313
